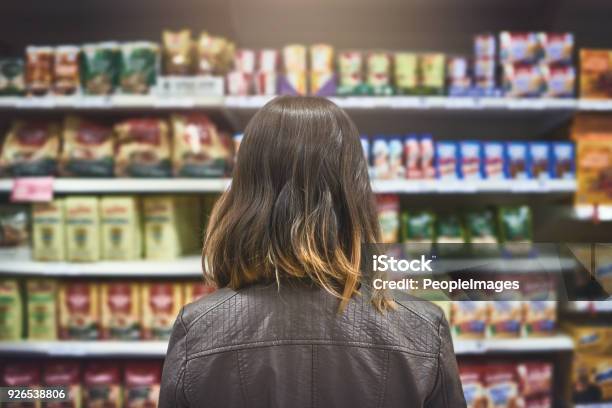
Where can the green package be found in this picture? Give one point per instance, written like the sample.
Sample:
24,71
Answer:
406,73
99,68
11,324
450,230
515,224
432,67
418,227
139,62
11,77
41,310
481,227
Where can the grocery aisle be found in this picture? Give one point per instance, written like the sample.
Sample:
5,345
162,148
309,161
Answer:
118,135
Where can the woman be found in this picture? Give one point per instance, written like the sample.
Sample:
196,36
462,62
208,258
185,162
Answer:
294,323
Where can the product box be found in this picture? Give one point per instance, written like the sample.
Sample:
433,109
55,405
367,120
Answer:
161,303
447,160
41,309
418,227
536,383
559,80
412,155
480,227
540,160
427,153
120,305
39,69
493,160
79,310
82,229
458,76
406,70
66,76
502,385
540,317
517,160
470,165
472,382
388,217
485,76
432,70
121,228
381,156
350,72
11,323
88,149
378,73
102,385
396,157
12,81
64,373
161,236
469,319
563,160
521,79
558,48
21,374
591,378
505,319
519,47
484,46
48,231
595,74
142,382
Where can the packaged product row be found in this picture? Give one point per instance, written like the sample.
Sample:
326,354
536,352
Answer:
507,384
516,64
91,383
188,145
420,157
47,309
505,224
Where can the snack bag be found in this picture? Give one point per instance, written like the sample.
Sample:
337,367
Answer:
559,80
472,383
470,165
540,160
41,309
214,55
515,224
161,234
120,310
517,160
458,76
447,159
468,319
14,226
31,149
120,226
177,52
378,78
39,70
88,149
502,386
535,379
418,227
10,313
199,149
505,318
406,70
493,160
590,339
321,68
557,47
590,378
412,154
48,231
21,374
99,68
195,290
82,229
142,381
432,67
388,217
139,64
450,230
79,313
161,303
64,373
481,227
350,72
563,160
381,158
523,80
427,152
484,45
396,157
102,385
143,148
519,47
12,81
595,73
67,80
540,317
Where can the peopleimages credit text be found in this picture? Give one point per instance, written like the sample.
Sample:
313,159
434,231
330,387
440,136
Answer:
386,263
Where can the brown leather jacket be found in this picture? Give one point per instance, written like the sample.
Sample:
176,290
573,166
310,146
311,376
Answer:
289,348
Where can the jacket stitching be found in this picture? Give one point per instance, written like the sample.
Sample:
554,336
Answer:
432,324
437,370
258,344
208,310
313,397
381,399
243,388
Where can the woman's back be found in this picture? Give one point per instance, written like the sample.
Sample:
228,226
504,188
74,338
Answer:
265,347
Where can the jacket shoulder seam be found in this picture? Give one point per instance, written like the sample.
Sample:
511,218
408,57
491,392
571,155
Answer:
428,321
208,310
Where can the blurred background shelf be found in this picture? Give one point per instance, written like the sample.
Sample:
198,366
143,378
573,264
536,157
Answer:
193,185
158,348
593,306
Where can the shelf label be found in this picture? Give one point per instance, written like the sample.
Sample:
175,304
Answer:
32,189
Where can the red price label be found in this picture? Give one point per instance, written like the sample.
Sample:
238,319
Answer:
32,189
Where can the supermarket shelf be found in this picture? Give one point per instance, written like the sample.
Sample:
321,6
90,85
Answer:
255,102
158,348
593,306
183,185
21,264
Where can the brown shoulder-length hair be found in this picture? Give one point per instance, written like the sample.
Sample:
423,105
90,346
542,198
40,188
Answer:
300,204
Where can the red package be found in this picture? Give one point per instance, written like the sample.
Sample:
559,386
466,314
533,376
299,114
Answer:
142,381
502,386
67,374
473,386
535,379
102,385
412,153
20,375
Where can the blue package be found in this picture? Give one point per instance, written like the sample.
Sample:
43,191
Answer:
563,160
493,157
470,159
380,157
517,161
396,156
540,161
447,160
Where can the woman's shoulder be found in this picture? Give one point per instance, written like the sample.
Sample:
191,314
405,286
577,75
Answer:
206,304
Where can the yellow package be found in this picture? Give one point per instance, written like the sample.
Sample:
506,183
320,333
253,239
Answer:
161,234
469,319
590,339
120,225
120,310
591,377
505,318
42,323
79,310
10,312
48,232
161,303
82,229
